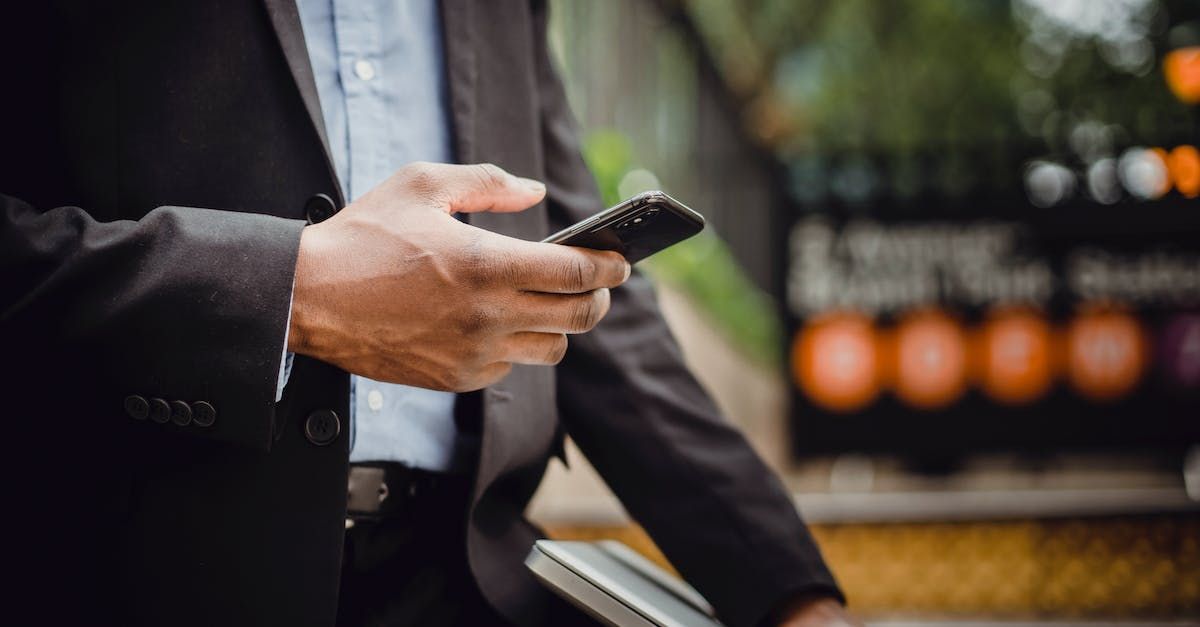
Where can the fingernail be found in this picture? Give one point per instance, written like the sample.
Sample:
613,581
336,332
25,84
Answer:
628,271
533,185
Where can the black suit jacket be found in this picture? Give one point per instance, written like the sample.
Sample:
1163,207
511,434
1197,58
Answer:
157,159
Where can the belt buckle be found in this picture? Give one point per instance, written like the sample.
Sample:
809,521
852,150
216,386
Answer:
366,491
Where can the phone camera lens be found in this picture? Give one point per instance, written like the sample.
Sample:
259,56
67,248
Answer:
638,221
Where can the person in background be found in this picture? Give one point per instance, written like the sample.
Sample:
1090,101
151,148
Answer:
224,293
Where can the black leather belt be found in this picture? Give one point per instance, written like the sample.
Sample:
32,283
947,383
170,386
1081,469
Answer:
386,489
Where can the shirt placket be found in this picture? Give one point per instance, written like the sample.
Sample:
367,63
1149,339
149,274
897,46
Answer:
360,67
359,56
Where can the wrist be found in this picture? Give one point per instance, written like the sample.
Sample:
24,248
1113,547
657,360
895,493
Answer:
303,292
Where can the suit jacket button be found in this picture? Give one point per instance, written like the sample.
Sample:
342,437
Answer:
137,407
319,208
160,410
203,414
322,427
181,413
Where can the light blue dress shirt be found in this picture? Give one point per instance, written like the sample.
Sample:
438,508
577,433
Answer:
378,66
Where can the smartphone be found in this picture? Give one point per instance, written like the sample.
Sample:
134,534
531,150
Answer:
636,228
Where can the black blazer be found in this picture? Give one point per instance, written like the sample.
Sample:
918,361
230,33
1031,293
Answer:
157,161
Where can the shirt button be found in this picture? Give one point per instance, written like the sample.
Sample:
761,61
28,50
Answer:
375,400
364,69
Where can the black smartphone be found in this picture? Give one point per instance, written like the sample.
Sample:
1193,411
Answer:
636,228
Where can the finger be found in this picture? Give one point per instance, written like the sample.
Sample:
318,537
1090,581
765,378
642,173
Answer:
538,349
473,188
555,268
561,313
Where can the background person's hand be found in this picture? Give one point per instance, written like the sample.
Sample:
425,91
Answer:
394,288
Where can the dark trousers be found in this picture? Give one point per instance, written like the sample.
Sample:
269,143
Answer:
408,564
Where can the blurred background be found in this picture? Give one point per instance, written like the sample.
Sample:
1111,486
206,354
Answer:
950,288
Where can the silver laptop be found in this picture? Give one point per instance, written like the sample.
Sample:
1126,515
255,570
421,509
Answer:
616,586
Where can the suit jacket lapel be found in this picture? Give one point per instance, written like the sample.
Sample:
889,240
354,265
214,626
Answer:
285,20
515,409
458,50
461,26
461,77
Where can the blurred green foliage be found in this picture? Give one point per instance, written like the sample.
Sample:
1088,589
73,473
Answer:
609,154
900,75
962,84
702,267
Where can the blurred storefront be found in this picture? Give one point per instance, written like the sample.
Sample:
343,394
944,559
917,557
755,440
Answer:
952,288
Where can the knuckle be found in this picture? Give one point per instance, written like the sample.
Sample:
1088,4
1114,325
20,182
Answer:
420,178
479,265
502,266
474,321
579,274
584,315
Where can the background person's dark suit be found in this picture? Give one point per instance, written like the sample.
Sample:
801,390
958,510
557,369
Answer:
144,110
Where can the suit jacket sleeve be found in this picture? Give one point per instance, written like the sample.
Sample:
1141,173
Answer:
625,396
183,304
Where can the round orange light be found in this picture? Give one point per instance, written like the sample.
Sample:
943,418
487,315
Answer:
1106,354
1184,165
1015,364
1181,67
835,361
930,360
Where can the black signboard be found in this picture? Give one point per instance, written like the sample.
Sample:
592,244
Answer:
1004,255
918,326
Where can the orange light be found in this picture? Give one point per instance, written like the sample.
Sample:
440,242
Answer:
930,355
1183,163
1015,364
835,360
1181,67
1106,354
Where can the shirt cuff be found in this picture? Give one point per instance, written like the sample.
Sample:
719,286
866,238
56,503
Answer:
285,364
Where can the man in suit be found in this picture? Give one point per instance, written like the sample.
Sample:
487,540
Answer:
203,265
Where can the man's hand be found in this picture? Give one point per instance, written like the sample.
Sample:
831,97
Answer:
396,289
815,612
